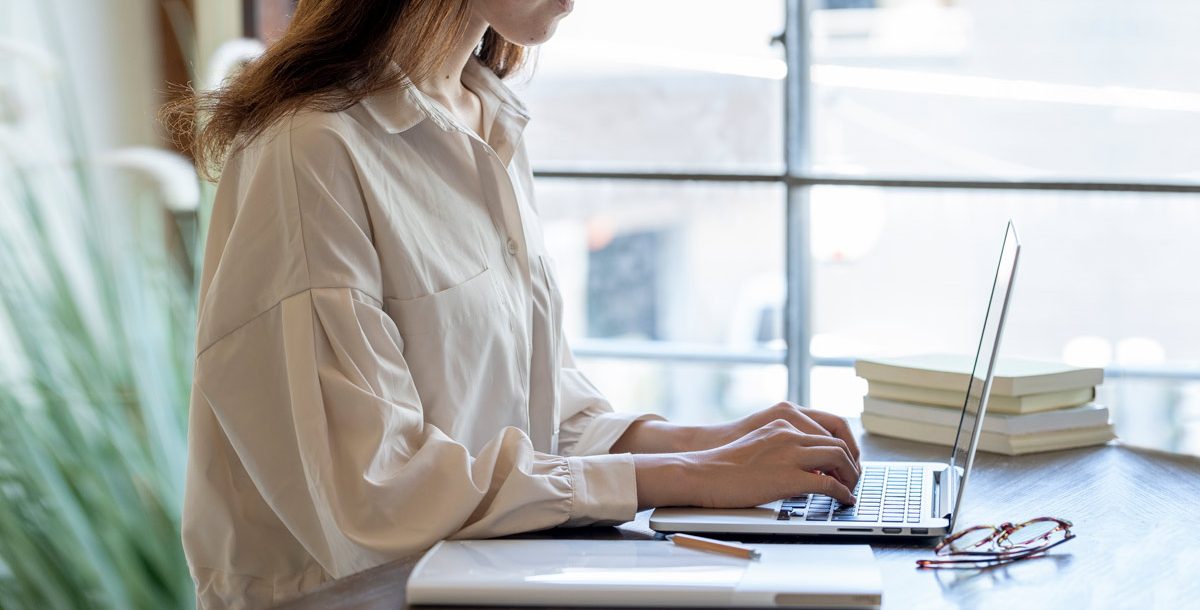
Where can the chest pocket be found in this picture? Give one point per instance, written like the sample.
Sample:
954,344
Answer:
472,301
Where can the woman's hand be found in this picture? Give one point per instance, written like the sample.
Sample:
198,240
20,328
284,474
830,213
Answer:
775,460
803,419
651,436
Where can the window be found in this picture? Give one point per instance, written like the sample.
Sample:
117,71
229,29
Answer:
645,263
695,176
932,122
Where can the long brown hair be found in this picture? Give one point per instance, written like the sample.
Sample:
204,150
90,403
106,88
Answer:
333,54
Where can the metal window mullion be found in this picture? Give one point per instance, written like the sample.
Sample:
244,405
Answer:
874,181
798,306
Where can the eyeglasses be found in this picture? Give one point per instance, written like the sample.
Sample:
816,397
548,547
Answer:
985,546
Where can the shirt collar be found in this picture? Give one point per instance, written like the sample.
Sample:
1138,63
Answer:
402,107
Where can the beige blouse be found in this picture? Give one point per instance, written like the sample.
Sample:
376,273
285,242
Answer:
380,358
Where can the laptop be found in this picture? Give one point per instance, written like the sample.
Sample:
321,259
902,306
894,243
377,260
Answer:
911,499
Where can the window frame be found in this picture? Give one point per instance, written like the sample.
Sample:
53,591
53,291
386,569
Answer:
263,18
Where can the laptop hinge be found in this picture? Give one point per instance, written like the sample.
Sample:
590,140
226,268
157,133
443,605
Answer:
944,491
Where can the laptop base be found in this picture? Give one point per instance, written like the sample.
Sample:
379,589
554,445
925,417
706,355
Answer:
776,518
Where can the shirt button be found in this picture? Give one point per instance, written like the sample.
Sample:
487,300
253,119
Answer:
512,247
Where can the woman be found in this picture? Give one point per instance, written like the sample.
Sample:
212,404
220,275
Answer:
380,359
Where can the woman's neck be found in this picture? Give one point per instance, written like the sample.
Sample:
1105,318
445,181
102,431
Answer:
445,85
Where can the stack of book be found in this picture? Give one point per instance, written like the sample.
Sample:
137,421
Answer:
1034,406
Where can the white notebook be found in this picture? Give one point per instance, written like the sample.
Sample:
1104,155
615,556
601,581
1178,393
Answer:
643,573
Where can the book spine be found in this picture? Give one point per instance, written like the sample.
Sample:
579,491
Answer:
991,442
1086,416
1002,385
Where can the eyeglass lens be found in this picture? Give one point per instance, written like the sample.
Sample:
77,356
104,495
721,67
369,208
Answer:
1035,533
972,540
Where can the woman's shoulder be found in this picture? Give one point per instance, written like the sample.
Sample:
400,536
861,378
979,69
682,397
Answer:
302,138
303,130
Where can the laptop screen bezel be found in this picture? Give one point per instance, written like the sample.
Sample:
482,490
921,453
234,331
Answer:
959,482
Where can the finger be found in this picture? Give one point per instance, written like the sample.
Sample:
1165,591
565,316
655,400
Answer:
827,485
804,423
832,461
837,426
815,440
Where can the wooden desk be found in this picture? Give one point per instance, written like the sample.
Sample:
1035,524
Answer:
1134,513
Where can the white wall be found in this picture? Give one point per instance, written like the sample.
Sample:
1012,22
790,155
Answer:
110,49
111,52
216,22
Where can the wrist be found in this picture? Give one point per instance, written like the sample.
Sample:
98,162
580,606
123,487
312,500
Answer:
664,479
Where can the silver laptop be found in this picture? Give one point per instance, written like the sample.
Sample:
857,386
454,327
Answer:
894,498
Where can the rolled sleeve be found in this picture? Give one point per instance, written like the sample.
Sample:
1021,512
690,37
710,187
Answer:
604,429
604,489
590,426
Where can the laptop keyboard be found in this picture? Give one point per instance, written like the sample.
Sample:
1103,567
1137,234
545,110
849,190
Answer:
887,494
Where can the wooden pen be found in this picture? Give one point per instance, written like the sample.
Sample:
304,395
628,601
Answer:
714,546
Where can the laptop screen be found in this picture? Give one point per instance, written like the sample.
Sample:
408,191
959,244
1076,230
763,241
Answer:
975,405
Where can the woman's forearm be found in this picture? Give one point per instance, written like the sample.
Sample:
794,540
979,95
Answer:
655,436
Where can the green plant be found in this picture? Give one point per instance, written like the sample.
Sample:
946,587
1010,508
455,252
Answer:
96,322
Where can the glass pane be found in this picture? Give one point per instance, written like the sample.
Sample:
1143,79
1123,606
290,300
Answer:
687,393
1157,413
667,85
1015,88
1105,279
836,389
667,261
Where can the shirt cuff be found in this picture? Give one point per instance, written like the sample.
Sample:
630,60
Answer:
605,429
604,489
